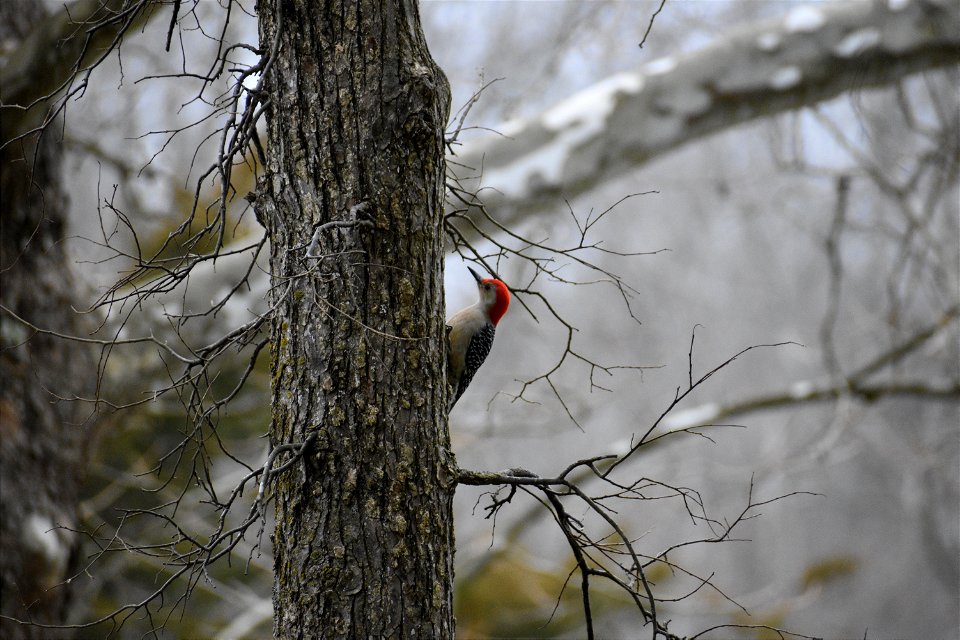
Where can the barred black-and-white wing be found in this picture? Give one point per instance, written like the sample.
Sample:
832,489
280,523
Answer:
465,359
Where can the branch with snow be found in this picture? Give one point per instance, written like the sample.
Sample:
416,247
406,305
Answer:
853,385
813,53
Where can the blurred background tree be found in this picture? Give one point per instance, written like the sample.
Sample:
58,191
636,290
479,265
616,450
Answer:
804,160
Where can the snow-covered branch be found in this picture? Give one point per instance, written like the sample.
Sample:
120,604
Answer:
855,385
811,54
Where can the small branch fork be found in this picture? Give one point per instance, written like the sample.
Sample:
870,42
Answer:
185,556
599,542
614,556
544,260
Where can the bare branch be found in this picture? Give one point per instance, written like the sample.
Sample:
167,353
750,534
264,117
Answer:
653,17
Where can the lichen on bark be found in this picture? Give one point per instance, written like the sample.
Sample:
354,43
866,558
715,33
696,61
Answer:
364,533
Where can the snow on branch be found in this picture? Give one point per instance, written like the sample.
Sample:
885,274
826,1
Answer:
811,54
856,385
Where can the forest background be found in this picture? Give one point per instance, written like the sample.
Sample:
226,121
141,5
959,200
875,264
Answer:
825,222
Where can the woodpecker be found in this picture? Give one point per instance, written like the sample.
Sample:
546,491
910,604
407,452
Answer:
470,332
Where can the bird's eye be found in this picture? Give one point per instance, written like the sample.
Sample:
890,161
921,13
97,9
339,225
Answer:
487,287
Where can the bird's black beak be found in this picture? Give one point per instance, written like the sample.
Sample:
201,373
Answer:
476,276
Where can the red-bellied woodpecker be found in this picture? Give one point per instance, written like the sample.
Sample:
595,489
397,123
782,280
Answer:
470,333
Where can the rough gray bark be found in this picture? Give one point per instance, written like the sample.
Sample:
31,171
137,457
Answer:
812,54
364,533
41,437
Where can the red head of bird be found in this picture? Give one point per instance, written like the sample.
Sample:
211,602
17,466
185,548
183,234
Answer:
494,296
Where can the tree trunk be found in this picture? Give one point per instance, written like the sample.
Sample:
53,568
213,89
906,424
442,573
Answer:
41,436
364,533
